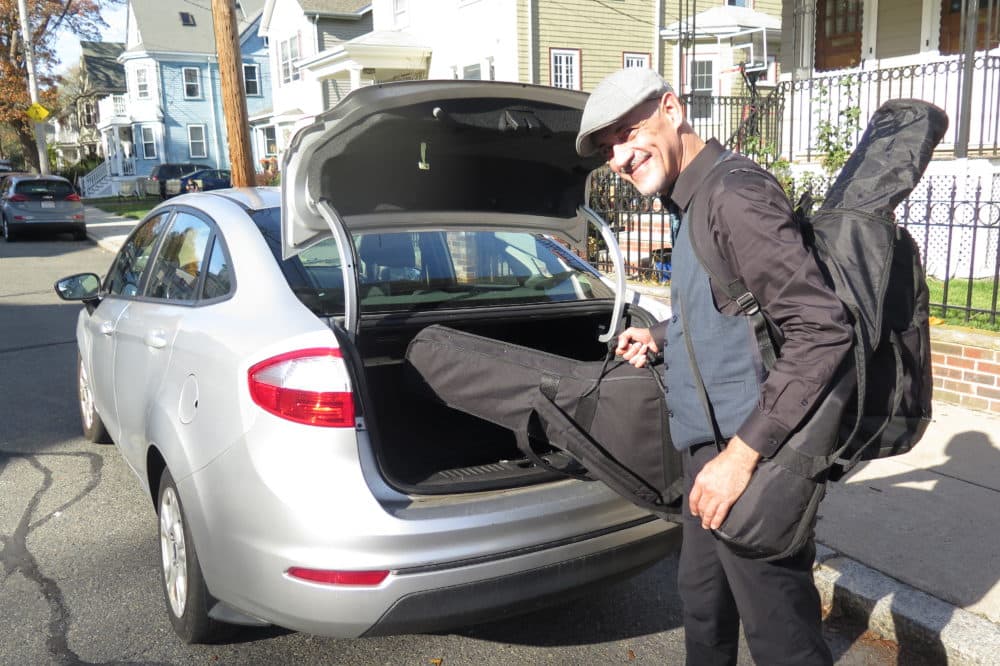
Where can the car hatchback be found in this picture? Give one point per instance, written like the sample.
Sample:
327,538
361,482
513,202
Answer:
37,203
246,353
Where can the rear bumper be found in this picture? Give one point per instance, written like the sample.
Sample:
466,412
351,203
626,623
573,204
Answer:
496,598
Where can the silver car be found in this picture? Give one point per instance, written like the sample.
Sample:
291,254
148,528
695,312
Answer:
40,203
246,353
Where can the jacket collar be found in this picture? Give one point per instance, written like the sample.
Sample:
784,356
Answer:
691,178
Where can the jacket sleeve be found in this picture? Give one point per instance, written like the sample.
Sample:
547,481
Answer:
751,221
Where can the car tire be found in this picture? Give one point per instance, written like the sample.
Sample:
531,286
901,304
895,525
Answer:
90,420
8,233
80,234
184,589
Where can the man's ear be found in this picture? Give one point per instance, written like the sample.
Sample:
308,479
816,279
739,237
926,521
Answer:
672,108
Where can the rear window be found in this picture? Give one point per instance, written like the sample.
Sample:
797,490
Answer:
54,188
427,270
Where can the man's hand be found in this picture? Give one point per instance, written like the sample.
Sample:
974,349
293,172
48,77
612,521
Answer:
633,345
721,482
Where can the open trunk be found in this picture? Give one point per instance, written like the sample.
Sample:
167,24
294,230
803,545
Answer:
426,447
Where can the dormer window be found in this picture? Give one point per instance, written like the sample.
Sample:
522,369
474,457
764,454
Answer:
187,18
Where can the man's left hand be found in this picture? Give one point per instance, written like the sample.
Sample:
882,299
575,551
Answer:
721,482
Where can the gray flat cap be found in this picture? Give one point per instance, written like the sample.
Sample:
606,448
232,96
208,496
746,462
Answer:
614,97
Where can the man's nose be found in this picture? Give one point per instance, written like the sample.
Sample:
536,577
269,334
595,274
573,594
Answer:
619,157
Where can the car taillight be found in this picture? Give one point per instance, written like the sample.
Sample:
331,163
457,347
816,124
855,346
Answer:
369,578
18,198
73,197
309,386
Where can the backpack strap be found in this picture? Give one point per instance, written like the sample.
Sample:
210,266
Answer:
732,285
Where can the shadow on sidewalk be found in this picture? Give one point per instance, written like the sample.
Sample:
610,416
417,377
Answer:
950,523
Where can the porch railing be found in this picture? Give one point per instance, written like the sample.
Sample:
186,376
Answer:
955,221
809,102
95,180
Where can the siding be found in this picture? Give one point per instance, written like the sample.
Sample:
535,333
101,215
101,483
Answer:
898,29
334,31
602,32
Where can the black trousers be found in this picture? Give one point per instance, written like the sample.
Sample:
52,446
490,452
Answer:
777,601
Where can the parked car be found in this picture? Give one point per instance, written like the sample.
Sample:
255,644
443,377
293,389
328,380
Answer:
258,388
40,203
156,184
199,181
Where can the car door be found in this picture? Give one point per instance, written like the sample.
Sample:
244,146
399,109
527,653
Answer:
121,287
147,329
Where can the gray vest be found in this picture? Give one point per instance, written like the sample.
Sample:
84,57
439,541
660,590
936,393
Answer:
724,347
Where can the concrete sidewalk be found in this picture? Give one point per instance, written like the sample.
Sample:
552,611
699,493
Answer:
909,545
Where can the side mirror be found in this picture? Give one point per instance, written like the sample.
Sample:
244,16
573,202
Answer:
80,287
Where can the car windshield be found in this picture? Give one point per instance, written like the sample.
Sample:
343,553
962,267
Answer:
426,270
54,188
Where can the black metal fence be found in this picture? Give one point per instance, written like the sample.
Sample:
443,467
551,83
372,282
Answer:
955,221
751,125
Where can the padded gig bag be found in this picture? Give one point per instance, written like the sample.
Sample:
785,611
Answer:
608,416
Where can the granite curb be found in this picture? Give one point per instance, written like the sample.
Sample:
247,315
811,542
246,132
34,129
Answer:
893,610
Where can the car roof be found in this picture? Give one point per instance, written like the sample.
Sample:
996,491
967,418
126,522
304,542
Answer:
250,198
30,176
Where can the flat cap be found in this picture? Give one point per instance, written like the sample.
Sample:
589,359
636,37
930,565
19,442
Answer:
614,97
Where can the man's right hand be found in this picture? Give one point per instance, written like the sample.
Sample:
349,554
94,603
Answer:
634,344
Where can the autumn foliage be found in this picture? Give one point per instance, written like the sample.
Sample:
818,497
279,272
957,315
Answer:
46,20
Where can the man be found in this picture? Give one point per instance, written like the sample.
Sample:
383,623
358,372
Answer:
636,121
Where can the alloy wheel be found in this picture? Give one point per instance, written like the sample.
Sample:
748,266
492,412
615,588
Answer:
173,551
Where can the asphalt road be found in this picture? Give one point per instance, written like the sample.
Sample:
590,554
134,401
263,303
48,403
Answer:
78,545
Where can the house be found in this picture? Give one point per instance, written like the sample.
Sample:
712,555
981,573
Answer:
172,110
77,128
858,53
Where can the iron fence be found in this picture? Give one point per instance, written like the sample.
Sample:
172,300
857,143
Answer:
955,221
749,124
822,99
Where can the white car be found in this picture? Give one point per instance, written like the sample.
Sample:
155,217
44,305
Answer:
246,351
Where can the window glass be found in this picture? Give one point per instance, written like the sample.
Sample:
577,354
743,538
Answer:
701,89
565,71
141,84
251,80
196,141
52,188
148,143
270,141
192,83
123,278
179,262
635,60
218,275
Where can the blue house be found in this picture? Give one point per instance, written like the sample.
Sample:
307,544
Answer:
172,110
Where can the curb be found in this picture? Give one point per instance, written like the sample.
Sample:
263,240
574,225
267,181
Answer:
922,624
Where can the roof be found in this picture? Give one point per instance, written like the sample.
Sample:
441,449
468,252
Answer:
335,7
161,28
100,61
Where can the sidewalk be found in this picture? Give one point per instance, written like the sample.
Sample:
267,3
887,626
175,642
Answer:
908,545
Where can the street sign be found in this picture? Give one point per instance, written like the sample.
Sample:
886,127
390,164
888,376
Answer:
37,112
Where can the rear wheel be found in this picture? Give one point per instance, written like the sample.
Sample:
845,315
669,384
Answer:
8,233
184,590
90,420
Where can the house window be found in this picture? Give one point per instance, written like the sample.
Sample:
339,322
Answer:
148,142
838,34
400,9
192,83
141,83
270,141
89,117
251,80
701,89
635,60
738,3
196,141
951,25
564,68
288,53
187,19
473,72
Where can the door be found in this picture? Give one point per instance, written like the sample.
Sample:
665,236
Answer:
146,331
121,288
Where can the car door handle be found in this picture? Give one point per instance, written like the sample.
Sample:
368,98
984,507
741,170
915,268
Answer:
156,339
107,327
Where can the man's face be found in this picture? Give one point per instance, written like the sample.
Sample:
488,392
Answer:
644,146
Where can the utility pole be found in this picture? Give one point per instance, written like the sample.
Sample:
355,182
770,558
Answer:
234,103
29,59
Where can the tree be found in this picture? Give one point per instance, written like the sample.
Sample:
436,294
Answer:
46,19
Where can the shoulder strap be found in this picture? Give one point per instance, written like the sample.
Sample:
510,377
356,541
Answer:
722,274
